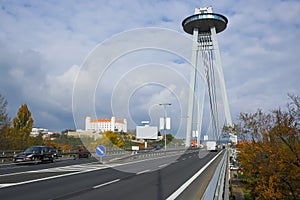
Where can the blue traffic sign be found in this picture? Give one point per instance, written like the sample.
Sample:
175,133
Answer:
100,150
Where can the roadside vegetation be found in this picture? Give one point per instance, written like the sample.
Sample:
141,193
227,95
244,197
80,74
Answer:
15,134
269,152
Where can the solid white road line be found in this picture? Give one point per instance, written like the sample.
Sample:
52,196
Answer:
143,172
46,178
188,182
107,183
5,185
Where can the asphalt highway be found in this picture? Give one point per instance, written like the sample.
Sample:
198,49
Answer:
151,178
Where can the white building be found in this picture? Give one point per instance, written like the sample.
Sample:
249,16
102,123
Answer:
105,124
45,133
36,131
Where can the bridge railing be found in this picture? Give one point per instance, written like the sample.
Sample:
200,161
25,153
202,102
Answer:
219,184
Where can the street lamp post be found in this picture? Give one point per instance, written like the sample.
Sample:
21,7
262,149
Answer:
165,116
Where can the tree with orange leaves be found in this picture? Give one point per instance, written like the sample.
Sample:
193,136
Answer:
271,157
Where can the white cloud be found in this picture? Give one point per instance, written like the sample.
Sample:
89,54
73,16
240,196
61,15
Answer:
43,43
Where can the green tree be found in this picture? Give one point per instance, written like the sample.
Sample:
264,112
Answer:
37,140
22,126
4,124
64,139
4,119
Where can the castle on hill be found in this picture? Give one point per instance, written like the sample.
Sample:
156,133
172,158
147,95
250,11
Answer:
105,124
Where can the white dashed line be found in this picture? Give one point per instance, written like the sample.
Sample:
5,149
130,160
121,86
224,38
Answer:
107,183
160,166
145,171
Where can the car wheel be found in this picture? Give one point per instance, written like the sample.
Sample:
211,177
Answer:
36,160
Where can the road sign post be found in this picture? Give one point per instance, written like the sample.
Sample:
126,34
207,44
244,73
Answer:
100,151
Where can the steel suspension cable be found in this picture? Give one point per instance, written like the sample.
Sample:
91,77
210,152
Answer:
207,55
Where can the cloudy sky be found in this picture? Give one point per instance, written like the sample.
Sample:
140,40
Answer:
48,48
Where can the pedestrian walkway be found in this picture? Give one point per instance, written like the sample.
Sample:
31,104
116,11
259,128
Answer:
236,191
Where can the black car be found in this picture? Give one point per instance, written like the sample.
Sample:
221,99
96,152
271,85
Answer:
57,153
36,154
81,152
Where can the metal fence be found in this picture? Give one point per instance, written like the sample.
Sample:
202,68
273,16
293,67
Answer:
218,188
6,156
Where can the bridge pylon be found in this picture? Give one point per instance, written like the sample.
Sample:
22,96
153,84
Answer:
206,61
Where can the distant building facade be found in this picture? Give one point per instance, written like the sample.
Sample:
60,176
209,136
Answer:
36,131
44,132
105,124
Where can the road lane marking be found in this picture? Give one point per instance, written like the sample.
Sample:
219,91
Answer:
45,178
142,172
139,161
160,166
107,183
92,168
188,182
5,185
70,168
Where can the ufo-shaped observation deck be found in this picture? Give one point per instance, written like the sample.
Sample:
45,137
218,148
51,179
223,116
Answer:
204,22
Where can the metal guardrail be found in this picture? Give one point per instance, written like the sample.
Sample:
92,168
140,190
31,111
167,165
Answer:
7,153
6,156
218,185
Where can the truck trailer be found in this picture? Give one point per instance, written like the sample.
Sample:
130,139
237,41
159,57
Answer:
211,146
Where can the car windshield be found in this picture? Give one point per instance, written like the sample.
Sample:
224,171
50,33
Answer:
32,149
